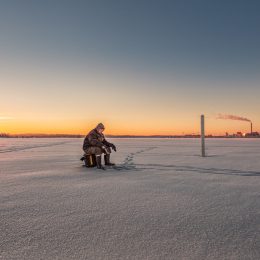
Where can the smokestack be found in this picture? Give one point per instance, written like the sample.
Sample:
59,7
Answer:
251,128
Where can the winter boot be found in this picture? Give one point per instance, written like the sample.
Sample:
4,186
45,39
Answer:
98,161
107,160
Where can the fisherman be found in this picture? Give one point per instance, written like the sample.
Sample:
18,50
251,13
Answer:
96,143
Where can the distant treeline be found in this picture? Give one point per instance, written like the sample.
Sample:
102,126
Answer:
5,135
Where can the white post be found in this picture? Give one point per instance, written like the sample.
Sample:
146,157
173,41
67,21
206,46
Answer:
203,154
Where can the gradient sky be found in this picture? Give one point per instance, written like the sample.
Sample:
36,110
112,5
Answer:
140,67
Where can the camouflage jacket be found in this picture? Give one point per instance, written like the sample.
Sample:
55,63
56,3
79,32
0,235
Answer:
94,138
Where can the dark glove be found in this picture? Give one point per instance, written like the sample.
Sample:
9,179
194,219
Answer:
113,147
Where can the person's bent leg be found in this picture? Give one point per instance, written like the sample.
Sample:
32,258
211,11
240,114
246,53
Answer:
98,153
107,157
107,160
99,162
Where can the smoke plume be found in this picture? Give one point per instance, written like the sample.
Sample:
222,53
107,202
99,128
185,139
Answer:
232,117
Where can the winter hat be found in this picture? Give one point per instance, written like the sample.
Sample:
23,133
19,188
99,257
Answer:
100,126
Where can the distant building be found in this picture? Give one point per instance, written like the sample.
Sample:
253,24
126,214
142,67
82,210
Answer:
253,134
239,134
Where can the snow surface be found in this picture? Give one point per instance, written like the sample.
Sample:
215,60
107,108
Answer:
163,201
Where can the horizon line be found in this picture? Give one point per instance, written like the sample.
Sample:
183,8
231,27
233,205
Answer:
31,135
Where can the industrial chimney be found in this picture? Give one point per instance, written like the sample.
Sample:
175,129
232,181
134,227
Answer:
251,128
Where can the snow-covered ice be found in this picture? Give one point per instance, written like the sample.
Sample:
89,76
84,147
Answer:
163,201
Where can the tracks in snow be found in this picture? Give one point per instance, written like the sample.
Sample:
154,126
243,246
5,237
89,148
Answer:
128,163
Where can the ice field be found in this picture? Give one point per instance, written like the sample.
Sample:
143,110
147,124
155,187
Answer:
163,201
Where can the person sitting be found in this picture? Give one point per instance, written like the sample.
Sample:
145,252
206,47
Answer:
96,143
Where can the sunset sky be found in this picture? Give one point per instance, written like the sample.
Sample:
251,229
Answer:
140,67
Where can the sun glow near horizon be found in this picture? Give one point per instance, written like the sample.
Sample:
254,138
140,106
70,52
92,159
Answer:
130,127
141,107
